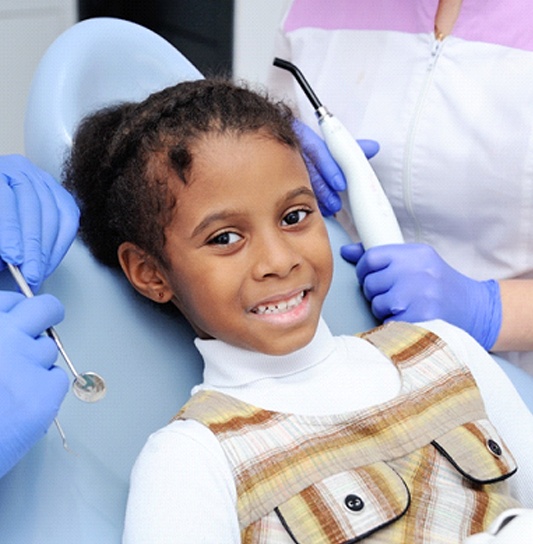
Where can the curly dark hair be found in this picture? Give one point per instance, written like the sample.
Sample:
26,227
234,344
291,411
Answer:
123,156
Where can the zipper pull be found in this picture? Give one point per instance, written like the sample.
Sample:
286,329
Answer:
435,51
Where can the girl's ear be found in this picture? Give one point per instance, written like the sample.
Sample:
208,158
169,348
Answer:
144,273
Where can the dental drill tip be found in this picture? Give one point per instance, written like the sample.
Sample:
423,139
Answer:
300,78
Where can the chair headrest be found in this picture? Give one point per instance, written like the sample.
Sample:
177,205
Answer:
95,63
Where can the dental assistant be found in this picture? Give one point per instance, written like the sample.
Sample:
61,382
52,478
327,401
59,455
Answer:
446,88
38,222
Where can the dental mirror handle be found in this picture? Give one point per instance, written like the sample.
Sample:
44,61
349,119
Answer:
372,212
28,293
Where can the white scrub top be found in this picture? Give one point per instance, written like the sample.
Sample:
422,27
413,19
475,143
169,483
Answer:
454,118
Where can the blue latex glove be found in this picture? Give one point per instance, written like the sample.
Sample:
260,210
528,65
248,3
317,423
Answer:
411,282
327,178
38,219
31,387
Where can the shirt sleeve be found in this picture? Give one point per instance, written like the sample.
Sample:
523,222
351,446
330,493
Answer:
181,490
504,406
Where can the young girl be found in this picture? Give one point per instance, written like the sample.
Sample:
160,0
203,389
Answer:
200,194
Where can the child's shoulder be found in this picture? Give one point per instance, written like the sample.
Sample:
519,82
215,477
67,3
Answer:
460,342
189,448
179,466
178,439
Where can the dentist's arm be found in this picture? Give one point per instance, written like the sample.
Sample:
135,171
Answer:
38,219
31,387
516,333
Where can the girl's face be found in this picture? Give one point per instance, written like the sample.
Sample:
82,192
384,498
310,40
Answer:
250,259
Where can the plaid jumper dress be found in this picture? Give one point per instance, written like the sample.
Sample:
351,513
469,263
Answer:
424,467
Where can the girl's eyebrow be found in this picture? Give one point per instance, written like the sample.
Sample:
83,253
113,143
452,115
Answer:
224,215
211,218
300,191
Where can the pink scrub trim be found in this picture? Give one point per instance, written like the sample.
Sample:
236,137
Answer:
501,22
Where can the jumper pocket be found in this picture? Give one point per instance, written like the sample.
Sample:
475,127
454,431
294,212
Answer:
346,507
476,450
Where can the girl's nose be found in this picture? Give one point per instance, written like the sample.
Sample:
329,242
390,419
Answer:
276,256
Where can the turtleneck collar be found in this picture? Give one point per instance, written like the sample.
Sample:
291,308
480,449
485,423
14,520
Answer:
231,366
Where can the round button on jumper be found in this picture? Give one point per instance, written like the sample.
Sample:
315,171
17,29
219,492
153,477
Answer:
494,447
354,503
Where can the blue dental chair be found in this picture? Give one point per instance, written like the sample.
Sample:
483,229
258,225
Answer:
146,357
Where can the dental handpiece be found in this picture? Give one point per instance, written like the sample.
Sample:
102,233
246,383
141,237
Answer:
372,212
89,386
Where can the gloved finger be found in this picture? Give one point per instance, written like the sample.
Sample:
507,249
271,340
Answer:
381,307
352,252
38,217
41,216
397,305
40,351
328,200
50,388
58,383
23,179
317,152
25,220
405,305
68,222
53,387
9,299
377,283
370,147
374,259
10,233
402,296
34,315
326,165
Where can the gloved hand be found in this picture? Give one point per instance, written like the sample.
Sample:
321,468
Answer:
38,219
511,527
326,176
31,387
411,282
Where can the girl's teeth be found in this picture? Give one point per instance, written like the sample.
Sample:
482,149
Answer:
280,307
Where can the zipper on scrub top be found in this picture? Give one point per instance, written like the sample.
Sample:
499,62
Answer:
436,48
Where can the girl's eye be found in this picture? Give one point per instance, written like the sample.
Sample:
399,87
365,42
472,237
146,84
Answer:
295,217
225,239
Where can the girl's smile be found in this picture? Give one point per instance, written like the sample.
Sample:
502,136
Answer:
281,305
284,312
249,256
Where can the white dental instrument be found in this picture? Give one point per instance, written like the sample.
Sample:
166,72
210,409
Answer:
89,386
372,212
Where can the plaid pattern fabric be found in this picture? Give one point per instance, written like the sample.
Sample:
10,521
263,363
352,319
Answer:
414,469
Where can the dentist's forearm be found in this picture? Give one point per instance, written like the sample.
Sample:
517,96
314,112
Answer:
516,332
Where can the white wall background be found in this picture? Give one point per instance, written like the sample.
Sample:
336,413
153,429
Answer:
27,28
256,24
